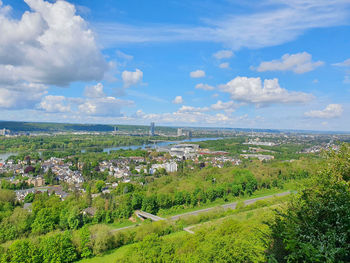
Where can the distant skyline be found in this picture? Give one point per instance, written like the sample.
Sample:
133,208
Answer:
270,64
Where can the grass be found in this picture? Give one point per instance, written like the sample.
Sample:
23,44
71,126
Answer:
259,214
119,254
124,223
180,210
248,213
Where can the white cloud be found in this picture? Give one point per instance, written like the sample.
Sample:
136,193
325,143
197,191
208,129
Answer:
204,86
178,100
124,56
224,65
219,105
190,115
223,54
193,109
331,111
94,91
54,104
256,29
298,63
47,45
345,63
197,74
131,78
51,45
21,96
251,90
107,106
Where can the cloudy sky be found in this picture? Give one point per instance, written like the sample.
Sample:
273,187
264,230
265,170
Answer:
215,63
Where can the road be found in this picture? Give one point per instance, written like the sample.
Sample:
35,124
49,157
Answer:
188,229
122,228
228,206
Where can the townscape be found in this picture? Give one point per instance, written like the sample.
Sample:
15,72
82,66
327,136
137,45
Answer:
174,131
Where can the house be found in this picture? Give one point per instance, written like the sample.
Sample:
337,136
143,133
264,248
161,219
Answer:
90,211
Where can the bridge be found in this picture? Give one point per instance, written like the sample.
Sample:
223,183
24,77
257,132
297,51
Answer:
155,141
145,215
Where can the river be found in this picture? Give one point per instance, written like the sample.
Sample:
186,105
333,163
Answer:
156,145
4,156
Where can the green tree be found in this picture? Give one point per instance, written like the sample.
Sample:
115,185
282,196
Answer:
315,225
85,242
58,248
45,221
21,251
99,185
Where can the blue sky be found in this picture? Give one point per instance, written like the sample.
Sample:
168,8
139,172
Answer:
262,64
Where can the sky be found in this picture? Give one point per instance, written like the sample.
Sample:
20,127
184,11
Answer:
279,64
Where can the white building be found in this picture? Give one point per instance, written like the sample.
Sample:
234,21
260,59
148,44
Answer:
184,150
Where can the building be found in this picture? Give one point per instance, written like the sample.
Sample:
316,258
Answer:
184,150
190,135
4,132
151,130
36,181
170,167
114,132
179,132
261,157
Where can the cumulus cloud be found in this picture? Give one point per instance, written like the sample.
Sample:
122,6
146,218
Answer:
131,78
219,105
21,96
204,86
47,45
193,109
331,111
252,90
190,115
197,74
50,44
224,65
178,100
298,63
54,104
223,54
107,106
94,91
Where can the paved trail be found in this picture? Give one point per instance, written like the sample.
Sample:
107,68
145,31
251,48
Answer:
188,229
228,206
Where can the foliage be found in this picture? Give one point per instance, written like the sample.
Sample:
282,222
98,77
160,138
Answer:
315,225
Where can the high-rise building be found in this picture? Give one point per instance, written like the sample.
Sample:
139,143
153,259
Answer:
179,132
151,130
114,132
190,134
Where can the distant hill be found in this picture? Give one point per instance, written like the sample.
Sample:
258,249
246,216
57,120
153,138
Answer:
15,126
52,127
